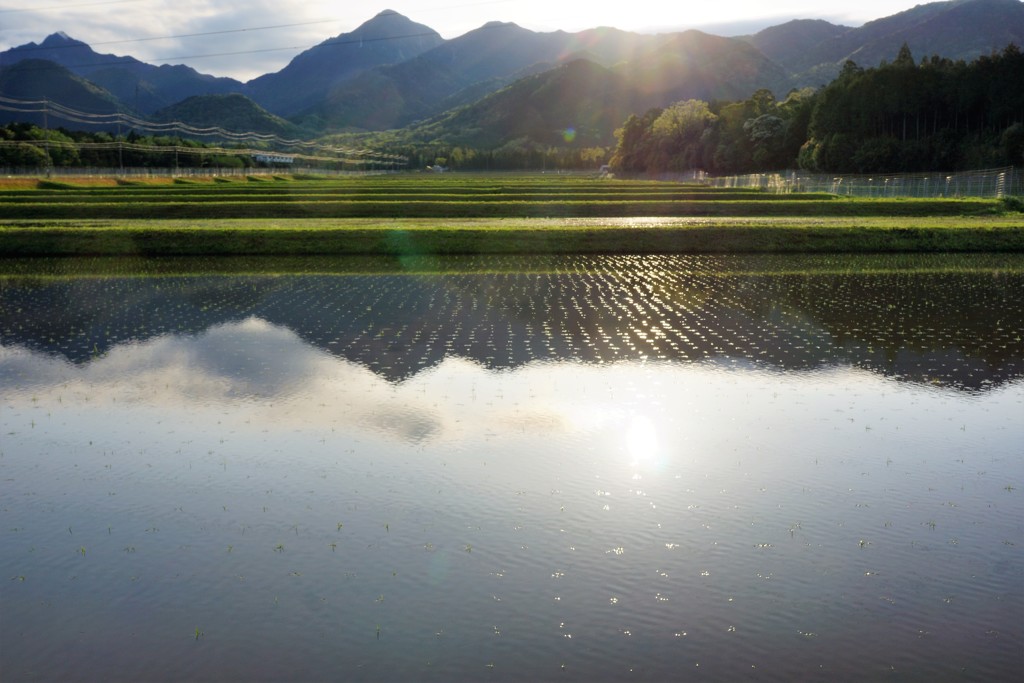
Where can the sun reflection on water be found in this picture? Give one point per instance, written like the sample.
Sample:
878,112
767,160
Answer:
642,443
542,469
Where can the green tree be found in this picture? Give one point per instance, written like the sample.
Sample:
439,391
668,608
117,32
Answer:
676,135
1012,143
904,58
61,148
767,135
636,146
938,115
734,152
23,155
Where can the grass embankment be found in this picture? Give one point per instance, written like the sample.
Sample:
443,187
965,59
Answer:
414,214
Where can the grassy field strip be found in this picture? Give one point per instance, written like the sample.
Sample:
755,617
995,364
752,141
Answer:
411,183
102,197
412,214
489,209
419,237
528,223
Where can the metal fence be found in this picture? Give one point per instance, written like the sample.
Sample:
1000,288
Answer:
988,184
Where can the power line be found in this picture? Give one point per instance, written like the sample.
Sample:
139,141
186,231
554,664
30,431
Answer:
65,8
331,43
78,43
120,118
354,158
183,35
326,43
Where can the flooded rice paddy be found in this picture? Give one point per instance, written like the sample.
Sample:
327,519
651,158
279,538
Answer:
651,468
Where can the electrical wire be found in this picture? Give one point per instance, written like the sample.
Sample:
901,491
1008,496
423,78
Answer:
65,8
79,44
180,149
341,40
287,146
303,48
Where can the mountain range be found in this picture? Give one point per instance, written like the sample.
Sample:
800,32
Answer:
497,83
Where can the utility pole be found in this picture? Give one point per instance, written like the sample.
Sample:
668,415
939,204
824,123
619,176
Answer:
46,136
120,145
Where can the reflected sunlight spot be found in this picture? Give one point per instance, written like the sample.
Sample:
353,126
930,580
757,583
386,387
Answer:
642,441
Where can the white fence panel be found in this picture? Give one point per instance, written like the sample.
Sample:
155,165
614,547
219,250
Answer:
988,184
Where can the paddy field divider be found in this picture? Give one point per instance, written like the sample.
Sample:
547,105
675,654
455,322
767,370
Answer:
419,213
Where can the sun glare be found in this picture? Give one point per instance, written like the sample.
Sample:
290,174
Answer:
642,443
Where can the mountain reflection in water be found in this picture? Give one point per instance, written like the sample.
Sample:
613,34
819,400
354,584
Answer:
949,321
572,469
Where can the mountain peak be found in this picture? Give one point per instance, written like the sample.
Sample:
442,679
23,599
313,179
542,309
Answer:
59,39
388,38
390,24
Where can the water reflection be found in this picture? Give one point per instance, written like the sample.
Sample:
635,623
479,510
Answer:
951,321
582,469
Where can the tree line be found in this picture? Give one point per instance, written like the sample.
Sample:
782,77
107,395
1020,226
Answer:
25,145
902,116
521,154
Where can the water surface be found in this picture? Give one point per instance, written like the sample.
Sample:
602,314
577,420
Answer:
600,468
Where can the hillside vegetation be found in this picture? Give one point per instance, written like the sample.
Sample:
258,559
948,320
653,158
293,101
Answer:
903,116
231,112
502,97
391,71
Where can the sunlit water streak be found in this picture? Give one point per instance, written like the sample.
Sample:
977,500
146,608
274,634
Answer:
613,469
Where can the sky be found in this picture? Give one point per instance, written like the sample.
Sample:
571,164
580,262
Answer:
246,38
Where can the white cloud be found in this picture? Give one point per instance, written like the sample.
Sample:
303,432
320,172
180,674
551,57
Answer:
254,373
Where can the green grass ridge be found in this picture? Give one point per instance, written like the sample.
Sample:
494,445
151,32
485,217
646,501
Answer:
408,214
